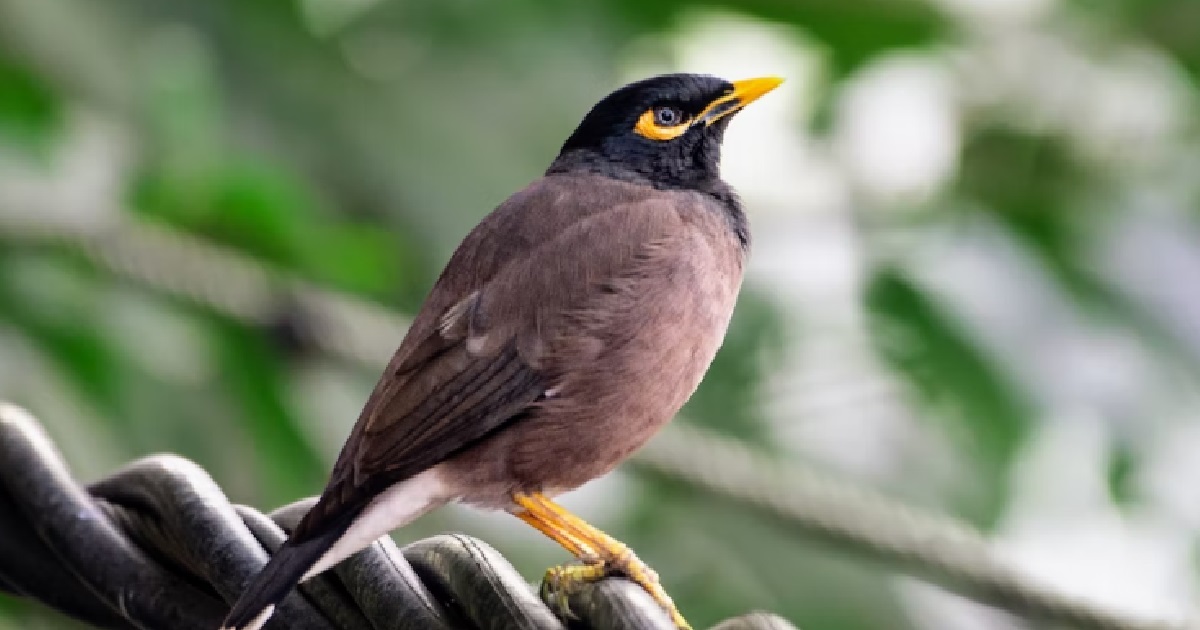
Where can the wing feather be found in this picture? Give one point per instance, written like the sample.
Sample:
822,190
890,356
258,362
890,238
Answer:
473,359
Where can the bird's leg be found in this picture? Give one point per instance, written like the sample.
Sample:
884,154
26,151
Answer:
569,542
559,579
602,554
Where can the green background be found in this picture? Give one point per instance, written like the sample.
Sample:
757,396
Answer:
976,281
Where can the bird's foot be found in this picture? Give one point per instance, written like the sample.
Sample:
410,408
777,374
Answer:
561,582
626,563
601,554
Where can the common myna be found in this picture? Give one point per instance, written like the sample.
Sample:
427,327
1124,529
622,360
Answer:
569,326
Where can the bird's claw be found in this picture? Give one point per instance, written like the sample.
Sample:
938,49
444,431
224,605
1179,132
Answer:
632,567
561,582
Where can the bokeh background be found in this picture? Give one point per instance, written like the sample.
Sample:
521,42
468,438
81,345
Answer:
975,283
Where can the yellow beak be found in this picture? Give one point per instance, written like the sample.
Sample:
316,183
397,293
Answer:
744,92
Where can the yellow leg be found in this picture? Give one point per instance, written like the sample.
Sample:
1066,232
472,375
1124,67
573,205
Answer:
602,552
578,548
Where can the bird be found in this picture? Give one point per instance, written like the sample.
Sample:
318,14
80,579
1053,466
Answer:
569,326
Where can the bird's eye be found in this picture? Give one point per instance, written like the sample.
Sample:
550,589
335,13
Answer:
666,116
662,122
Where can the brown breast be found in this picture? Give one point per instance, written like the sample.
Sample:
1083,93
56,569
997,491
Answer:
626,361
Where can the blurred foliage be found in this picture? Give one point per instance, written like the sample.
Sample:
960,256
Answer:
353,143
954,377
29,113
852,34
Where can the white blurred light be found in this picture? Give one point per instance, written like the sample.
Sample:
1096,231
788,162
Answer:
993,12
86,174
735,47
1149,256
1119,106
1064,529
932,607
1169,472
897,129
1138,102
990,281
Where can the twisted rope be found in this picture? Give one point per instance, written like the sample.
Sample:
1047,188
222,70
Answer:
157,545
933,546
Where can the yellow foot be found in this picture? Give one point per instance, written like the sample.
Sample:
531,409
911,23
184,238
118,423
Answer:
629,565
602,555
563,581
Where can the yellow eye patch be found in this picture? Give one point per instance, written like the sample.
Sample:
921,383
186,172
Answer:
648,126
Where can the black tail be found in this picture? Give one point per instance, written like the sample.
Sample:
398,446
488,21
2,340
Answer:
283,572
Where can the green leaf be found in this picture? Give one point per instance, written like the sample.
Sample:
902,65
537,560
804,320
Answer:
1122,472
289,467
356,258
956,379
52,302
261,209
246,204
30,114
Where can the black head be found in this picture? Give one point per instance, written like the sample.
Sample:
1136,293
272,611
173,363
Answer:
666,129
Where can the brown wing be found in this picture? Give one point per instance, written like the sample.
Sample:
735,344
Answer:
473,359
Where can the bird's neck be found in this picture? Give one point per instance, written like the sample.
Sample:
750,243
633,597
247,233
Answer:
711,184
662,171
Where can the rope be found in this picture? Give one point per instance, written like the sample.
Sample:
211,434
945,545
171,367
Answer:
933,546
157,545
